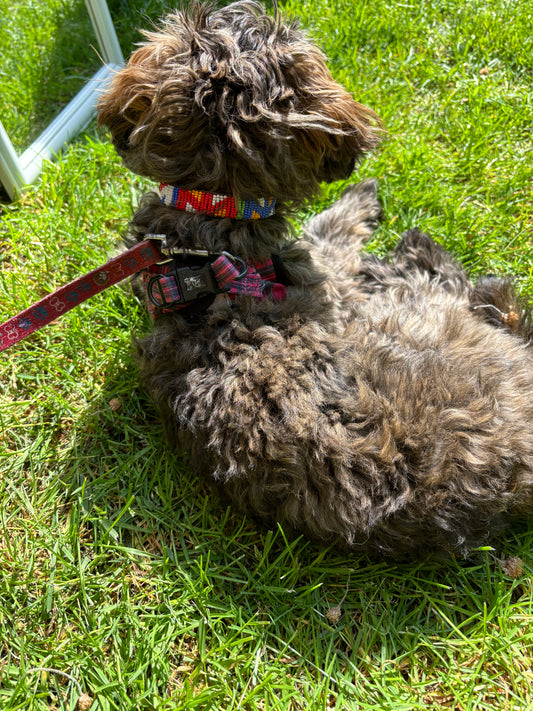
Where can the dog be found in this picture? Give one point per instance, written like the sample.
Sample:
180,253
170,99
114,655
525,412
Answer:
382,405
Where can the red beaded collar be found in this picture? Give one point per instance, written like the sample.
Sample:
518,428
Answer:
215,204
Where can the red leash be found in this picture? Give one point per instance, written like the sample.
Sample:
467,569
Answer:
168,285
139,257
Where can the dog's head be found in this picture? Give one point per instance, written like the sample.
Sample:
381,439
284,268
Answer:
235,101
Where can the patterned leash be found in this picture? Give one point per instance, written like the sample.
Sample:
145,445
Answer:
168,285
139,257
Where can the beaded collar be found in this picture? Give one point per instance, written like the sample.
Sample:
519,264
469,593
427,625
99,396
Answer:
214,204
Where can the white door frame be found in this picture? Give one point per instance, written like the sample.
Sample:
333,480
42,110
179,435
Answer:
17,171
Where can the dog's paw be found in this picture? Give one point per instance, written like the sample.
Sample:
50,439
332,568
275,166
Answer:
352,219
360,200
363,197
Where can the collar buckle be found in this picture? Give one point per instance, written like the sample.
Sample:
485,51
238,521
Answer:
182,285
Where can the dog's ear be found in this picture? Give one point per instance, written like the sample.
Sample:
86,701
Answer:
328,122
129,97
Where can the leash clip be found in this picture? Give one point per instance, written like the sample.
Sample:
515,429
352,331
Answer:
172,252
163,247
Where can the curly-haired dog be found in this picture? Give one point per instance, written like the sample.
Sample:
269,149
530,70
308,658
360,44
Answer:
385,405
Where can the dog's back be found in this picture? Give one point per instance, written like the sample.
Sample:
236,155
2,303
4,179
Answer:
378,404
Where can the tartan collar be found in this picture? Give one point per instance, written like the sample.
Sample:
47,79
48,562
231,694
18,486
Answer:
215,204
188,278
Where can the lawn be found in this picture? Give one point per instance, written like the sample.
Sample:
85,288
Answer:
121,577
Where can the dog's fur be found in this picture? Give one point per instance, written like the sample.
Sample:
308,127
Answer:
385,405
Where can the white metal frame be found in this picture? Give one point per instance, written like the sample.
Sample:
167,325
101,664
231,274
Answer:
17,171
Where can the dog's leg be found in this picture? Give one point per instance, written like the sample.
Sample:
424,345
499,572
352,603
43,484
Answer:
415,255
341,230
417,250
492,298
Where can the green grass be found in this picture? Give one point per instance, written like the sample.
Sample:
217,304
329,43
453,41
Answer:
117,566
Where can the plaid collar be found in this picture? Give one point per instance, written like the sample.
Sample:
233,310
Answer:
214,204
174,285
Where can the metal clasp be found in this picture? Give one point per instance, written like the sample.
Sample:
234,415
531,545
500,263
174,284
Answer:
172,252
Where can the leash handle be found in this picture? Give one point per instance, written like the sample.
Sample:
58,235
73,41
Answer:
138,257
